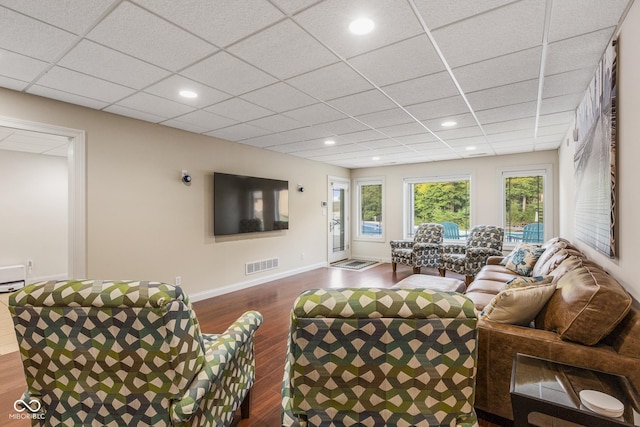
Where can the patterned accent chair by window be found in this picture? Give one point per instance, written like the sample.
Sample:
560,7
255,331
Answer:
380,357
483,241
422,251
128,353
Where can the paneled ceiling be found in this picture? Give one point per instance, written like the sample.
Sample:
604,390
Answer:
288,75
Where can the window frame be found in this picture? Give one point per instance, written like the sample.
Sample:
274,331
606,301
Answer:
408,198
358,184
544,170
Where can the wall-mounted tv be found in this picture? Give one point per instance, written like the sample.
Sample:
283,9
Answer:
248,204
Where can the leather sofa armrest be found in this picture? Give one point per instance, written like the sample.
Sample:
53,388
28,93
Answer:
494,260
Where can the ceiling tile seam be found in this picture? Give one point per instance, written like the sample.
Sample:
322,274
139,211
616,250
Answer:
375,86
77,39
475,15
448,68
543,62
304,9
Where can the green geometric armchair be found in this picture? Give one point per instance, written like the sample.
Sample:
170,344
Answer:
380,357
128,353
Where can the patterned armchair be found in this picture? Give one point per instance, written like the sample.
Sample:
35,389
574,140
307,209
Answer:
422,251
380,357
128,353
483,242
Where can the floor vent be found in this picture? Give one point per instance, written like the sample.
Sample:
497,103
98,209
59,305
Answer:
258,266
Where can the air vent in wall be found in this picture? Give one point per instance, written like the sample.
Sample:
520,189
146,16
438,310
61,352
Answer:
263,265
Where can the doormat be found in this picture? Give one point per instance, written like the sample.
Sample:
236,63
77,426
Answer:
354,264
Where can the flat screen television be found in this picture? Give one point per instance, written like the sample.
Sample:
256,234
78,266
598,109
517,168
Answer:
248,204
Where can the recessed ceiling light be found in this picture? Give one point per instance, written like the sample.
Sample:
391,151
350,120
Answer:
188,94
448,124
375,158
329,142
470,148
361,26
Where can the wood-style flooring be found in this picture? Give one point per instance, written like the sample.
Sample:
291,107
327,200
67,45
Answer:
274,300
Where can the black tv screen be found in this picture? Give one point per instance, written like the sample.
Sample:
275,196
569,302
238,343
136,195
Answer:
248,204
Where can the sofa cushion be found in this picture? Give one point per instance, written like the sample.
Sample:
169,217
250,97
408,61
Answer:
542,267
586,306
518,305
480,299
522,258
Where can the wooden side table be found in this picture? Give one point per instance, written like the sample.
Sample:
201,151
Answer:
552,388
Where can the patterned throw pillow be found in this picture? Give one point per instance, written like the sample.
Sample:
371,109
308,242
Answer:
522,258
518,306
524,281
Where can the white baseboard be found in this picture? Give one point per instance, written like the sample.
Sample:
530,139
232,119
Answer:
37,279
250,283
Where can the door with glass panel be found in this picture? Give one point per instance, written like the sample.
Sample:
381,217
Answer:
338,219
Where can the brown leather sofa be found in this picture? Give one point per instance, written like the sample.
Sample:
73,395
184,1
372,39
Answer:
589,321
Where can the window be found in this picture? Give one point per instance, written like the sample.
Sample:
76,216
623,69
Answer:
444,200
524,200
370,209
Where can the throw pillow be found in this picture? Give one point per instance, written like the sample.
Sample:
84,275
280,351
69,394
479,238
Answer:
521,282
522,258
518,306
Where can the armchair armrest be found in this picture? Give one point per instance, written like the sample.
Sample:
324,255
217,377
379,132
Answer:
452,248
218,353
402,244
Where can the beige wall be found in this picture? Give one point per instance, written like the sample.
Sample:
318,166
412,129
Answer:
33,213
485,191
144,223
628,231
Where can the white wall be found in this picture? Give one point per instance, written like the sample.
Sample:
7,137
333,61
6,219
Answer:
144,223
628,201
33,213
485,191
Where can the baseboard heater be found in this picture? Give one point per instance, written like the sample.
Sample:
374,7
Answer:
12,278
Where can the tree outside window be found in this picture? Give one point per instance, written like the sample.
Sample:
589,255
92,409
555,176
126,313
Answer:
370,209
524,208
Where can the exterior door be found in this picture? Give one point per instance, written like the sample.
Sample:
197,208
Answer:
338,219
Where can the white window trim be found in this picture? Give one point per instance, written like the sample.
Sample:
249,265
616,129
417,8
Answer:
408,198
359,182
543,169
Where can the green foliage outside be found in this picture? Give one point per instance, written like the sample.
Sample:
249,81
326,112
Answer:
371,202
524,201
442,201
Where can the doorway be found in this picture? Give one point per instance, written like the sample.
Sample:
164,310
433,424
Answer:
338,219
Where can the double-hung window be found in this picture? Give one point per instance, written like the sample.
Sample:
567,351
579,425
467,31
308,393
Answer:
441,199
526,205
370,205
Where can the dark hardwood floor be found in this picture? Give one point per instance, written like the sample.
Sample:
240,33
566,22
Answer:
274,300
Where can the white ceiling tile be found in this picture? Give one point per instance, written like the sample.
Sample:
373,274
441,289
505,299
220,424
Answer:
511,112
221,22
238,132
428,146
548,145
466,142
512,68
136,114
20,67
506,126
31,37
155,105
315,114
566,83
500,96
67,97
527,141
329,21
277,123
561,103
293,147
422,89
170,89
401,61
363,103
189,127
239,109
330,82
560,130
514,149
263,141
301,134
13,84
381,143
205,120
395,116
459,133
98,61
83,85
556,118
578,52
511,136
567,20
143,35
267,51
360,136
417,139
75,16
293,6
439,108
438,13
279,97
394,131
343,126
229,74
462,120
512,28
